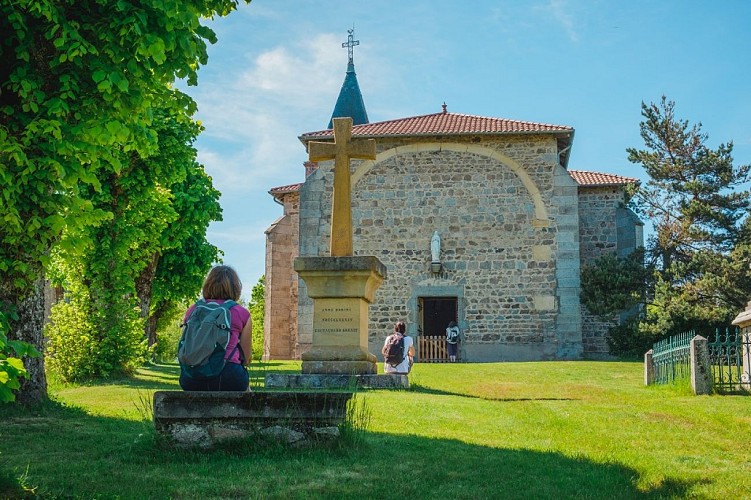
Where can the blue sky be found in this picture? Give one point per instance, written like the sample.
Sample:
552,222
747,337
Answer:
277,68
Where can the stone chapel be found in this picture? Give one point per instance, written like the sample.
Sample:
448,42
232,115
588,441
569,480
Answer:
510,226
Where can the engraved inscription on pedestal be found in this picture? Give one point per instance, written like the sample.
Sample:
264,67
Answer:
336,319
339,329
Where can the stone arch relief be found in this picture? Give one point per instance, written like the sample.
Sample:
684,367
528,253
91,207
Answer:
541,213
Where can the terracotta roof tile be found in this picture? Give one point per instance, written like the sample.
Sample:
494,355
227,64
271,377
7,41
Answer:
444,123
585,178
290,188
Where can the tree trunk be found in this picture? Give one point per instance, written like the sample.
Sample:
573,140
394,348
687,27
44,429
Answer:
155,317
29,328
143,289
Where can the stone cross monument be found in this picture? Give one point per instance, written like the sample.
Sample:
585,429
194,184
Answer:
341,285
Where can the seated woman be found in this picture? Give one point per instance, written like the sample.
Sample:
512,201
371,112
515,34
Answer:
223,284
403,366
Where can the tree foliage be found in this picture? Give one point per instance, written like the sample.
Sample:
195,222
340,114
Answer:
79,83
186,255
695,200
113,289
612,284
692,195
257,310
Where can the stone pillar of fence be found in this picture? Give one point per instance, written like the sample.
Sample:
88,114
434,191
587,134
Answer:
649,368
743,320
701,370
746,375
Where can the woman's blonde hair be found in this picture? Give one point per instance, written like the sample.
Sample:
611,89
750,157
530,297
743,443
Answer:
222,283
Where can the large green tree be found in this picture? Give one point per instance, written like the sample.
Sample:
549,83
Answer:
110,281
187,256
78,83
693,194
696,199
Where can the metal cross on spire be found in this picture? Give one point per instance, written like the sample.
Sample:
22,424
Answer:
351,42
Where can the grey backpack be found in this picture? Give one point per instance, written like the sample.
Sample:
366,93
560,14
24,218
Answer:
202,351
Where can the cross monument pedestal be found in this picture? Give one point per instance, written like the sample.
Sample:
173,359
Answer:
342,288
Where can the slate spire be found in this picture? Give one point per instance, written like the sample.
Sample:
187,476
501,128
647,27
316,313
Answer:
350,101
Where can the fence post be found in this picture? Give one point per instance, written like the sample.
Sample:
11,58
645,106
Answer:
746,350
701,370
649,368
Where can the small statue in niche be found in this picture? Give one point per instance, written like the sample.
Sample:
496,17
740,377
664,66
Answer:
435,247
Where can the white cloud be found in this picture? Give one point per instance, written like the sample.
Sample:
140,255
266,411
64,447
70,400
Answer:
564,17
227,170
253,116
303,77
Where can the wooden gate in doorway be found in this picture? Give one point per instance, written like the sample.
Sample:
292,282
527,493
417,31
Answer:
436,314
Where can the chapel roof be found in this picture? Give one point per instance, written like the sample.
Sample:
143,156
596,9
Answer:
444,123
350,103
454,124
598,179
279,192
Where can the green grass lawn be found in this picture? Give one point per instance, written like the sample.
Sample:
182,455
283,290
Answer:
496,430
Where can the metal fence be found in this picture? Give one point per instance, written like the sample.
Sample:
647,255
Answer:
671,358
726,358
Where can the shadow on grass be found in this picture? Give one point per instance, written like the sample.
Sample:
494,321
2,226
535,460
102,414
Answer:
157,376
429,390
64,451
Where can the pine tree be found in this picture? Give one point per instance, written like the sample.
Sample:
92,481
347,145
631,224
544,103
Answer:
699,211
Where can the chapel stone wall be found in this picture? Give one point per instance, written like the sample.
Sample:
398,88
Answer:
565,201
280,316
598,235
499,258
598,226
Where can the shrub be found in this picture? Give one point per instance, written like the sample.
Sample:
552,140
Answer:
257,308
168,336
11,364
627,340
78,350
70,346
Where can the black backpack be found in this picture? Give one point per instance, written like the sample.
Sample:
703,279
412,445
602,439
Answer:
393,350
202,351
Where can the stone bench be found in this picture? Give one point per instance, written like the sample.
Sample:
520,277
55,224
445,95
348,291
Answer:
203,419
